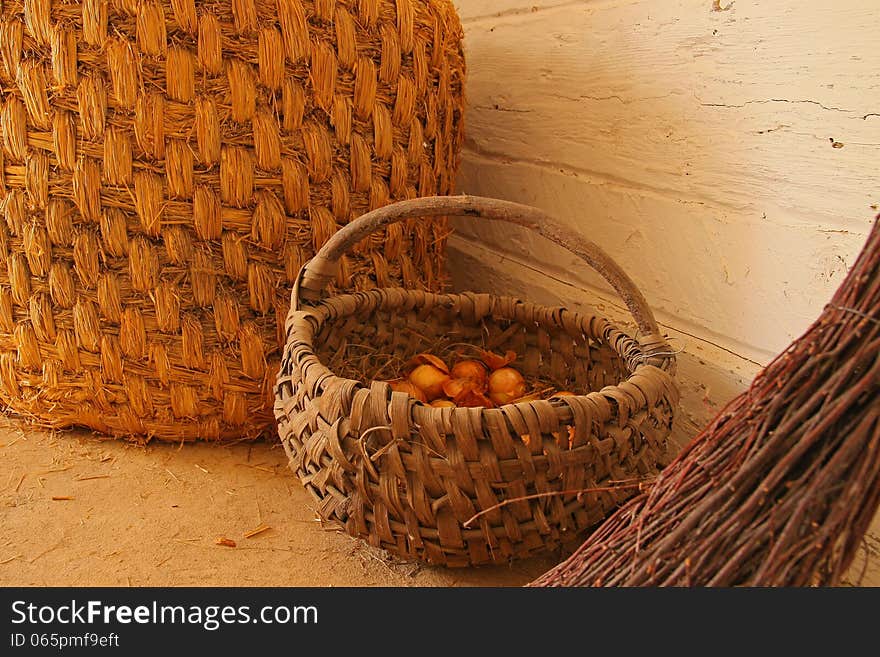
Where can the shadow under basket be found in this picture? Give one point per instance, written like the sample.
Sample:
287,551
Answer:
468,486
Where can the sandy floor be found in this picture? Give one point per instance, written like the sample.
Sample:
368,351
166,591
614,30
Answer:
77,509
80,510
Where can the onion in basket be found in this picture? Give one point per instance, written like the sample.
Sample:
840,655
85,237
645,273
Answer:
429,379
404,385
473,370
505,385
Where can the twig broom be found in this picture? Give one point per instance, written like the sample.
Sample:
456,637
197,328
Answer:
780,488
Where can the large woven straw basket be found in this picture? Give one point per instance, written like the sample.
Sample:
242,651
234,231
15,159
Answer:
166,168
460,486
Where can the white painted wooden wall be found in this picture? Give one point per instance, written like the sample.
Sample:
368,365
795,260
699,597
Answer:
726,154
697,146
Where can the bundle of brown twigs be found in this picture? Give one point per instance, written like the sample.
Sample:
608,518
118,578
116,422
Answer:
780,488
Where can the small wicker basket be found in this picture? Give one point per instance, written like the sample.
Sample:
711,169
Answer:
460,486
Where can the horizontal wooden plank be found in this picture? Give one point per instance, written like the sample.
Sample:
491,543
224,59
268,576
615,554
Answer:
731,277
767,104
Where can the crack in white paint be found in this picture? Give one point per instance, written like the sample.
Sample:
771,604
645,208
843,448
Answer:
781,126
500,108
776,100
621,99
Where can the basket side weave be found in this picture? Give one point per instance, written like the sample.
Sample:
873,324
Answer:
166,168
466,486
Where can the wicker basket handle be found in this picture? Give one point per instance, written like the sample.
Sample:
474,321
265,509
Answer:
321,269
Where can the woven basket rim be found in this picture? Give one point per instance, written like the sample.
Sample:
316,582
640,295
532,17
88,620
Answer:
322,311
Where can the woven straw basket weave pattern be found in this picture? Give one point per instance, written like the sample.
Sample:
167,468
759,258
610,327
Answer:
461,486
166,169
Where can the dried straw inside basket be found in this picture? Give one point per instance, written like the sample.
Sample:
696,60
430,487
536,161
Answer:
167,167
378,347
